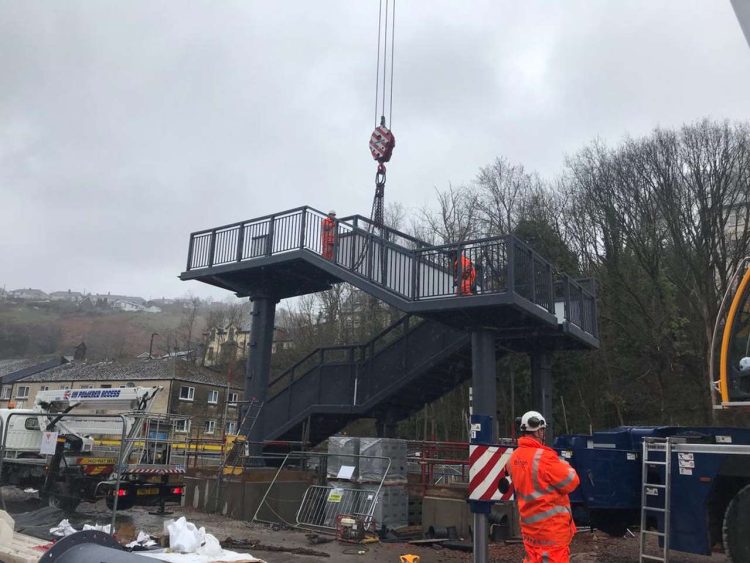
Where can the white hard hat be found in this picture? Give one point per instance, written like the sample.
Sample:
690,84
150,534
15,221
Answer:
332,212
532,421
745,363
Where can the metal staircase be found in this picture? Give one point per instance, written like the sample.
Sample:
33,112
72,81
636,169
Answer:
409,364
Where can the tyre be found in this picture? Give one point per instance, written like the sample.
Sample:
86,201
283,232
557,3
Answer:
122,504
736,525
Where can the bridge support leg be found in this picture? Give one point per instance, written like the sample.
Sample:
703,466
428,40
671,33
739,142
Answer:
484,387
258,367
386,424
542,388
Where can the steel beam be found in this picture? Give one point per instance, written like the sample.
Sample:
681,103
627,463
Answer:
258,366
542,388
484,393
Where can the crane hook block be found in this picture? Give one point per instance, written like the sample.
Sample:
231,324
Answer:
382,142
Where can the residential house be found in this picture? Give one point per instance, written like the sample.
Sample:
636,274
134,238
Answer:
226,345
203,395
70,296
12,371
230,344
29,294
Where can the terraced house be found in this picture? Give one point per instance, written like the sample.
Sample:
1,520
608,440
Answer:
205,396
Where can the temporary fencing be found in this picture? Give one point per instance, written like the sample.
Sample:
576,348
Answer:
301,484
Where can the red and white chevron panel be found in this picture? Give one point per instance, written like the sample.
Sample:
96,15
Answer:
486,468
155,470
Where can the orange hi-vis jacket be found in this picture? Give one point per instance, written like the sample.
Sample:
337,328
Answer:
468,274
542,481
328,237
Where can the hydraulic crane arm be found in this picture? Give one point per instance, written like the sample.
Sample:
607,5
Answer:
742,9
733,385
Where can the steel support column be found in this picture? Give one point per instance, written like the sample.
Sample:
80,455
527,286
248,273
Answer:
386,424
258,367
542,388
484,385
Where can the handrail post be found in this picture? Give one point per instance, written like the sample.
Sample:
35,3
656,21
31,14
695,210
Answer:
567,297
532,281
303,229
336,237
190,253
211,248
269,236
415,275
240,242
510,268
550,289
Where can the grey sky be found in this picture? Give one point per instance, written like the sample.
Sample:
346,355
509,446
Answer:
126,125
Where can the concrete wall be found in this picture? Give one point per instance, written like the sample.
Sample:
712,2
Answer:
443,507
239,497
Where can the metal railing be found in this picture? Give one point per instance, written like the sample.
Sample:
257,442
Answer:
399,263
318,505
355,375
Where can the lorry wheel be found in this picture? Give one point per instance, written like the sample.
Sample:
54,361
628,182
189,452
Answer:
122,504
736,525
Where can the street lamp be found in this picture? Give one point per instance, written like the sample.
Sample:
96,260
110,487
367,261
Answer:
151,346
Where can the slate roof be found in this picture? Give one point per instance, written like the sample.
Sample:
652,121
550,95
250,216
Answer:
133,370
13,370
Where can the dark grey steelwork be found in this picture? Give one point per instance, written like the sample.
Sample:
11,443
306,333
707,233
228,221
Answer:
411,363
541,387
484,394
90,546
258,367
392,266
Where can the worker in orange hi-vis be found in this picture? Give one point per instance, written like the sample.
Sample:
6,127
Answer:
542,481
328,234
465,278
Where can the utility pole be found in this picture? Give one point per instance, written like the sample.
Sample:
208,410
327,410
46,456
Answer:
151,345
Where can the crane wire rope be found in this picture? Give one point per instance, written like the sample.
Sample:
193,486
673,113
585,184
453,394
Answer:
382,141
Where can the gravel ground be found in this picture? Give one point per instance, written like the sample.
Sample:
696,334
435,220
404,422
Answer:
587,547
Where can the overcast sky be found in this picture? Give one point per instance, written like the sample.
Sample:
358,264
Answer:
124,126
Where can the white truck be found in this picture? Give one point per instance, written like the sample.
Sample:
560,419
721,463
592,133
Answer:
49,448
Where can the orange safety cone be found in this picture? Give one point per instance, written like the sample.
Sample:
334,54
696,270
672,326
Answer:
408,558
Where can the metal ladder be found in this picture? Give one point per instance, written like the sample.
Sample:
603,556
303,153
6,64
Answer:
656,452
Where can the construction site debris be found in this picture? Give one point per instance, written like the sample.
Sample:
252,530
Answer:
142,541
257,546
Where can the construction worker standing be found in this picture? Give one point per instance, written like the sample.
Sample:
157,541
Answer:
542,482
465,278
328,234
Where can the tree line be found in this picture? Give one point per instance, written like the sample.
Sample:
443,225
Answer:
661,222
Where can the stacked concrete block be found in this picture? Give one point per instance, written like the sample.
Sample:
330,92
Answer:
374,464
343,450
392,507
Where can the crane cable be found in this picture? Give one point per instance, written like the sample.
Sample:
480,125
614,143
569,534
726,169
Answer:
382,140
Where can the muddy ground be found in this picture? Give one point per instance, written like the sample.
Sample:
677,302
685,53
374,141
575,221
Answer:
34,519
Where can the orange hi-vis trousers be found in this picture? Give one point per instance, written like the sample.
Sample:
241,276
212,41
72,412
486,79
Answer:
551,554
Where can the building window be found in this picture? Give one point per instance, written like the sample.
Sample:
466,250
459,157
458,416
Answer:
65,387
86,386
44,388
182,426
213,397
6,392
209,427
231,427
106,386
187,393
233,398
22,392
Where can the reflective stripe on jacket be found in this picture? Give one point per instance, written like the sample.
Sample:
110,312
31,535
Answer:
542,481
